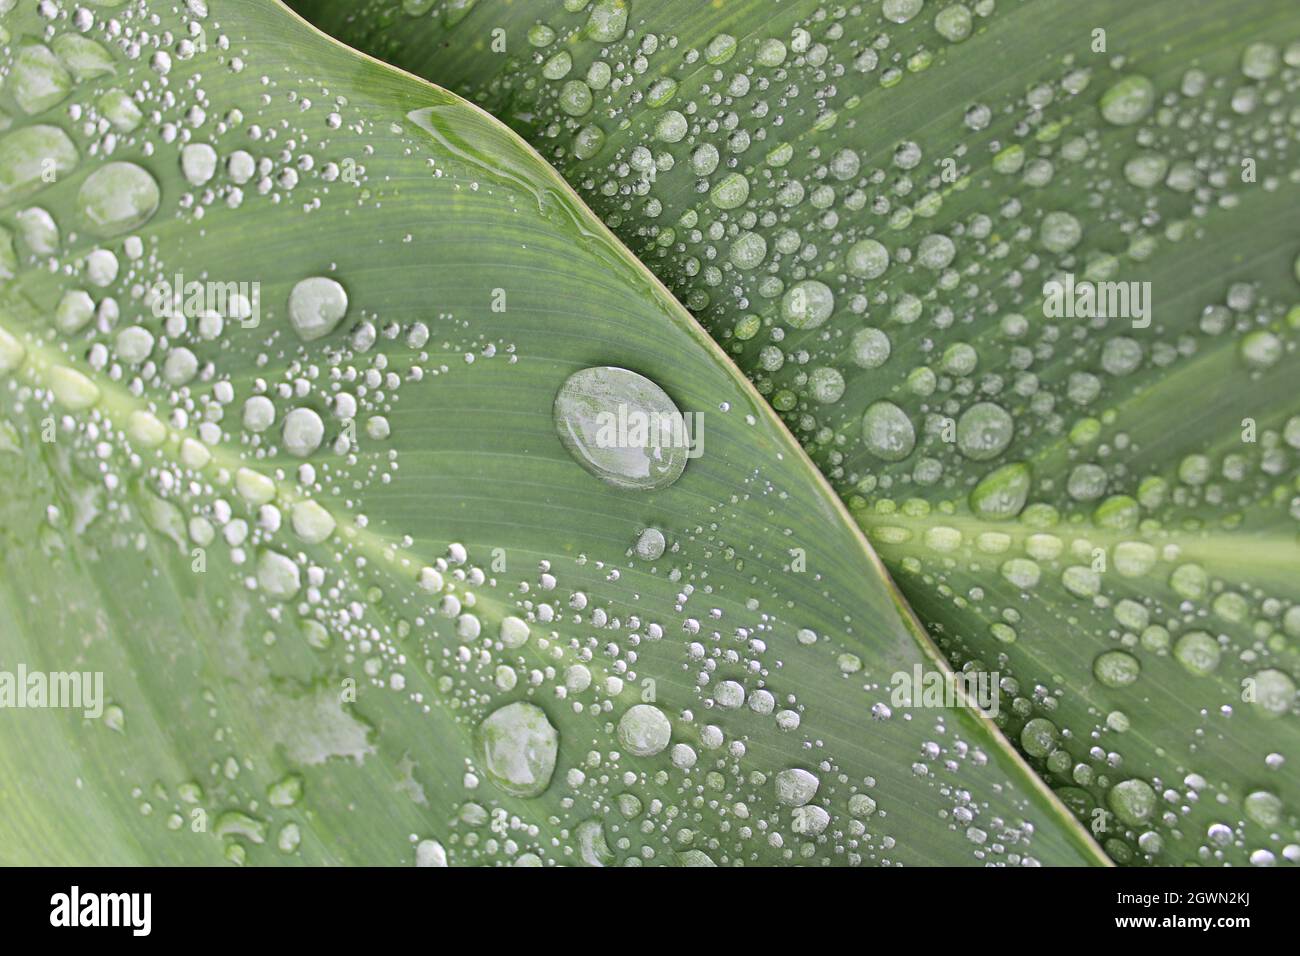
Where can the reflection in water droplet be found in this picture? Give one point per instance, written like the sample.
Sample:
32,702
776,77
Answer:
72,389
1116,668
651,544
1128,100
1133,801
644,730
1002,493
117,197
39,80
518,745
622,427
32,157
591,844
316,306
887,431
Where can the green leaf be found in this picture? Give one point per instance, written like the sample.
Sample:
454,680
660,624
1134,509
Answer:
281,334
863,205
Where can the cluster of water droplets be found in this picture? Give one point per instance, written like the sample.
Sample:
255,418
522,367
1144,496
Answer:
885,290
253,431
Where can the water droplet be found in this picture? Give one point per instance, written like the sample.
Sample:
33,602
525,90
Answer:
900,11
887,431
1198,652
730,192
430,853
30,154
984,431
277,575
311,522
592,847
198,163
796,786
518,746
807,304
84,57
38,80
285,792
1274,693
12,352
303,432
621,427
607,20
514,632
867,259
936,252
650,545
316,306
1060,232
1002,492
1116,668
72,389
1128,101
118,197
644,731
1133,801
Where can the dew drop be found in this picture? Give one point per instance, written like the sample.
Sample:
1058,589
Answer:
887,431
644,731
1128,101
303,431
316,306
518,747
984,431
807,304
29,155
1116,668
622,428
1002,493
650,545
118,197
1133,801
796,786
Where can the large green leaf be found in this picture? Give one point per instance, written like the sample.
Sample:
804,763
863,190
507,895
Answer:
372,650
1105,511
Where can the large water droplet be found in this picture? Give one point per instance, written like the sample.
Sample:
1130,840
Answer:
867,259
592,846
1128,100
518,745
1133,801
1002,492
808,304
117,197
32,157
1116,668
984,431
303,432
277,574
72,389
887,431
644,730
38,79
651,544
607,20
796,786
622,427
316,306
1198,652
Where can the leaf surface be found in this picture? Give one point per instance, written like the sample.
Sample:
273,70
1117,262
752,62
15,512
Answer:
865,204
281,333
